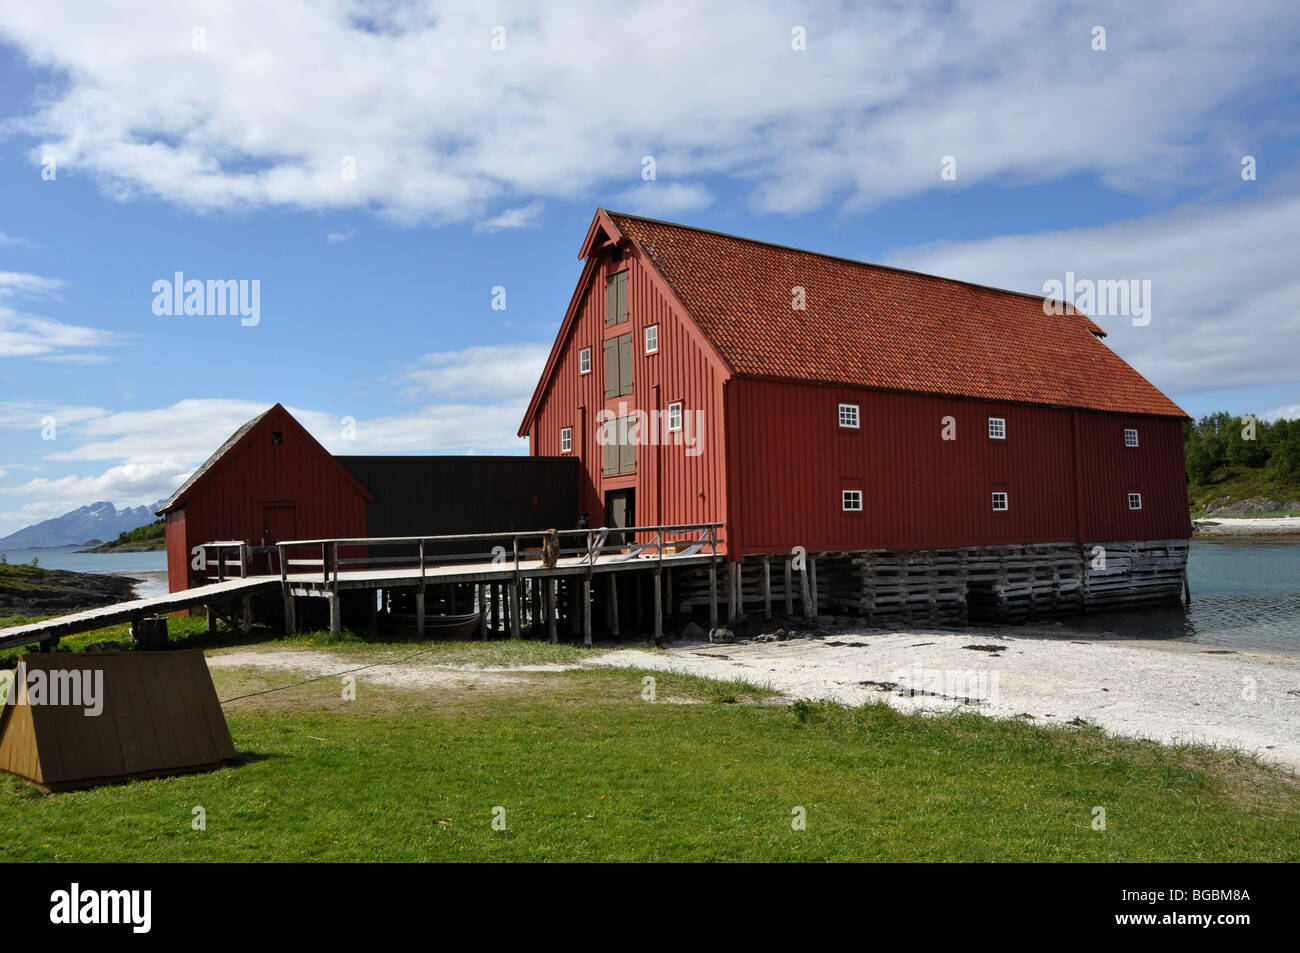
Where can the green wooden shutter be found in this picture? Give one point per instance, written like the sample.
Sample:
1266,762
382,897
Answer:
624,363
611,368
626,448
609,463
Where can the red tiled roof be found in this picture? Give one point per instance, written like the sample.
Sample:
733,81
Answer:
875,326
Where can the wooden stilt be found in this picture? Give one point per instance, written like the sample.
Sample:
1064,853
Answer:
419,612
613,604
659,606
789,588
551,632
731,591
336,615
812,582
713,593
515,632
212,621
586,612
496,608
767,587
803,586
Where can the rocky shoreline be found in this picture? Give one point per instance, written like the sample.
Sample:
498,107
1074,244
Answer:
32,591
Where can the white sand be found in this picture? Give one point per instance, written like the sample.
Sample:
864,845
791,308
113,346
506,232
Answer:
1155,691
1255,526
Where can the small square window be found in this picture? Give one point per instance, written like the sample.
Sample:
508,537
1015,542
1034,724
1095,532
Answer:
566,439
998,429
652,339
852,501
584,361
1130,437
1135,501
849,416
675,416
999,501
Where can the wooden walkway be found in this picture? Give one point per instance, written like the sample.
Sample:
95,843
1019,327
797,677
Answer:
335,571
51,630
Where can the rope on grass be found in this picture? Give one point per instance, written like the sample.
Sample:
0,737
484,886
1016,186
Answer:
317,678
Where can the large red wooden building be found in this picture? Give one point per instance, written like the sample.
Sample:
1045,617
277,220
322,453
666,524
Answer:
804,400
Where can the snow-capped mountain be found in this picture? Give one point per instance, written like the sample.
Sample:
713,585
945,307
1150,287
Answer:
100,521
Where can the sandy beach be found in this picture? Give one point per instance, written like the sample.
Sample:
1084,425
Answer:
1227,526
1166,692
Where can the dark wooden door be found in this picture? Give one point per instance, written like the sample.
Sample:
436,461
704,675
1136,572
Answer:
279,522
620,510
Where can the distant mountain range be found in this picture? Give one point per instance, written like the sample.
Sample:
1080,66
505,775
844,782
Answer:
99,522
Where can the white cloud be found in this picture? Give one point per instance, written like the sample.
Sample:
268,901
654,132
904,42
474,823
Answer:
487,373
662,198
525,216
440,127
1289,412
1223,286
335,238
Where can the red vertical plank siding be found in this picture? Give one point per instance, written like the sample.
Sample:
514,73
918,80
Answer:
672,484
226,503
792,460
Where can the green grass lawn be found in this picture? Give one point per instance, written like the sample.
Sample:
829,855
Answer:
585,769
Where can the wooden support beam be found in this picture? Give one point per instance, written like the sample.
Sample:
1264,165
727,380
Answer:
496,608
659,606
290,615
336,615
419,612
803,586
732,573
552,634
212,621
612,609
713,593
767,587
514,610
812,582
586,611
789,588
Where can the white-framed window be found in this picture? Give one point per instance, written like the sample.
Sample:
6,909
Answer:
1000,501
675,415
1130,437
851,500
584,361
998,429
651,338
850,416
566,439
1135,501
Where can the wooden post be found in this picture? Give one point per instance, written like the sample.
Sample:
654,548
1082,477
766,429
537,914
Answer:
713,593
659,606
731,591
803,586
586,611
514,610
789,589
767,587
668,594
613,604
1187,589
812,581
336,615
496,608
552,634
419,598
212,621
480,594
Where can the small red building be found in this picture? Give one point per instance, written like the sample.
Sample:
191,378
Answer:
270,481
810,401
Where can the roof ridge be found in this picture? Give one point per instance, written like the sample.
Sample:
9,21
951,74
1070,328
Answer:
849,261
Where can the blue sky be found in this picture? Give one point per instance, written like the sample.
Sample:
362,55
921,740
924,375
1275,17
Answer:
211,139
